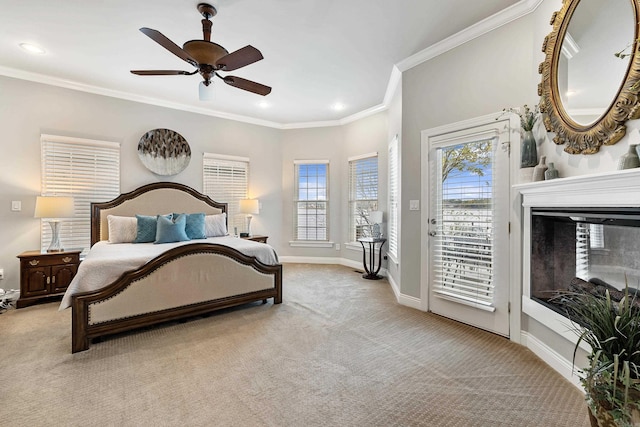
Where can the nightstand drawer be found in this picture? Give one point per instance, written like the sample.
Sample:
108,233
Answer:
49,260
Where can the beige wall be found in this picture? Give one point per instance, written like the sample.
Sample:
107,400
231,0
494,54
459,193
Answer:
29,109
495,71
336,144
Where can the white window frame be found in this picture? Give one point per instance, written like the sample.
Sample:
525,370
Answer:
85,169
226,179
296,201
361,192
394,199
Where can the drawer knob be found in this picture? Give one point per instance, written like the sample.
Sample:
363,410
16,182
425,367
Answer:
66,259
34,262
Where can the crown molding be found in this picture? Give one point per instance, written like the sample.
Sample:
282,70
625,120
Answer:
69,84
497,20
493,22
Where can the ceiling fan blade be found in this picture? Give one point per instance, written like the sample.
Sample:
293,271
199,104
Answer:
163,41
248,85
160,72
238,59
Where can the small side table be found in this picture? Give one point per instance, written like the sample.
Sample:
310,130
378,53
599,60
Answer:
45,275
371,269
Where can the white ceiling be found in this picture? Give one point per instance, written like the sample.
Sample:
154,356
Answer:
316,53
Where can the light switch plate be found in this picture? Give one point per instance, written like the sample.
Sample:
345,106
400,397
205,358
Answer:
16,205
414,205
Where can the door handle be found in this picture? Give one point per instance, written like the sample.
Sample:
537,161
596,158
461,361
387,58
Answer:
432,233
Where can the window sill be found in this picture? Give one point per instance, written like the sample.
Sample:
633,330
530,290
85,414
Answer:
310,244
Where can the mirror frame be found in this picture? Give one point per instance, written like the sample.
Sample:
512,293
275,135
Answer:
610,127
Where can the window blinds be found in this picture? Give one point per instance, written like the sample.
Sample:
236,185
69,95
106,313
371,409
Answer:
88,171
226,180
582,249
363,193
463,247
392,216
311,201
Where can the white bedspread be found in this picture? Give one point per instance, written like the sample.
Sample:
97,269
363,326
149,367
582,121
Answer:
106,261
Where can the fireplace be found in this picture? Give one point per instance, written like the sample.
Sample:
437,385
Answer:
585,227
600,246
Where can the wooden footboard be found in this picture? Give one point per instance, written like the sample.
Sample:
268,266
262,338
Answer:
185,281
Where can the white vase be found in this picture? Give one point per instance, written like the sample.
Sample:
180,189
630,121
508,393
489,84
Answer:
538,171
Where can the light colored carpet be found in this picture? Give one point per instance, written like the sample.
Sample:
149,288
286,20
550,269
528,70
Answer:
339,351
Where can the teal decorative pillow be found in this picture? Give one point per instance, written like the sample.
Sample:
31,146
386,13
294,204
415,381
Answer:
146,228
195,225
169,230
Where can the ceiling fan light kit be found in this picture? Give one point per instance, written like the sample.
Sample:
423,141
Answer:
206,92
208,58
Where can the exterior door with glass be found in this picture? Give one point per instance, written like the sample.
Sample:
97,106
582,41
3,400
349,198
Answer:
468,226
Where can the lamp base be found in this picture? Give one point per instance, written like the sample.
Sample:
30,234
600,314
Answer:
55,245
249,225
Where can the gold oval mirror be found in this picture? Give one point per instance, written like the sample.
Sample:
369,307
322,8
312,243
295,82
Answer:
591,73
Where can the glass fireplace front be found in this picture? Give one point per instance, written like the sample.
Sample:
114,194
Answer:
600,246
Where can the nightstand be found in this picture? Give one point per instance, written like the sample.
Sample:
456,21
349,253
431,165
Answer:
44,275
256,238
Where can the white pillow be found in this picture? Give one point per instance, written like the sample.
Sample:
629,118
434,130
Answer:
215,225
122,229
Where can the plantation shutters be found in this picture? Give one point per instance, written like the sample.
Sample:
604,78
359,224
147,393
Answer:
226,180
464,223
363,192
394,198
88,171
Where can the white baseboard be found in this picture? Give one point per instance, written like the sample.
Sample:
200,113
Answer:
356,265
309,260
561,365
403,299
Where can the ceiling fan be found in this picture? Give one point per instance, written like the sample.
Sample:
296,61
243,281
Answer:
208,57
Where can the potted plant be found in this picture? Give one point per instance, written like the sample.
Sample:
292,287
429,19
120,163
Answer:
612,378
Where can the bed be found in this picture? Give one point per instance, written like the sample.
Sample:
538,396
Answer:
116,290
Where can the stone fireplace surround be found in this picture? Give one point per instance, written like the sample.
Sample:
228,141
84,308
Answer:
617,189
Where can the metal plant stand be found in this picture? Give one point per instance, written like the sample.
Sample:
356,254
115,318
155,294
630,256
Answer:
371,271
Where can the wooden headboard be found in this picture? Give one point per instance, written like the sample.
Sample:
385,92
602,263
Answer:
151,199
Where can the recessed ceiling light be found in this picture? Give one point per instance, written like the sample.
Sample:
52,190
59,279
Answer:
571,92
32,48
263,104
338,106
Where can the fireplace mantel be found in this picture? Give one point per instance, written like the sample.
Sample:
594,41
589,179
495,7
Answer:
611,190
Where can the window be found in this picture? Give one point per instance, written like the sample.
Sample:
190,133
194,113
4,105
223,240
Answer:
363,193
392,217
88,171
465,218
311,200
226,180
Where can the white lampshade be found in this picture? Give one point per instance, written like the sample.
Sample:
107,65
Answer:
375,217
53,207
249,206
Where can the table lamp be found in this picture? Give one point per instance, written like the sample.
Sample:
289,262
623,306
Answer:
53,208
249,207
